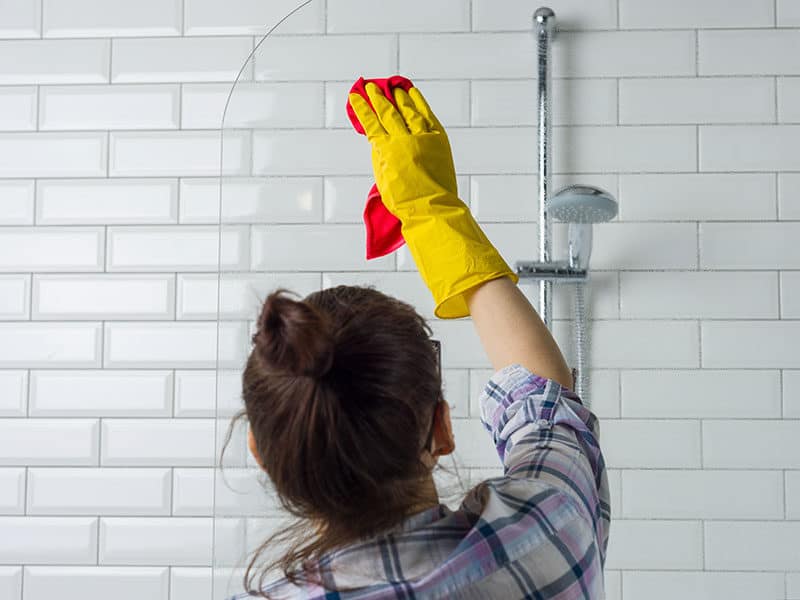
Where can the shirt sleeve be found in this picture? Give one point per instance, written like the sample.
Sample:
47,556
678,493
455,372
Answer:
542,431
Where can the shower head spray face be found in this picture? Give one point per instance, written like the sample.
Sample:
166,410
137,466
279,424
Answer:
580,206
583,204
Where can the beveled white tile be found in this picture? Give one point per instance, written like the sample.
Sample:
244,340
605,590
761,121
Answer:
697,494
313,58
51,249
789,195
97,583
753,545
101,393
673,545
53,155
727,52
518,15
728,585
705,394
48,442
749,147
193,583
157,442
13,393
249,200
41,62
145,540
240,296
251,17
651,444
12,492
180,248
179,59
751,344
48,540
50,345
252,105
685,14
310,152
93,491
20,18
769,246
18,201
11,582
174,345
207,393
358,16
591,54
15,297
18,108
699,295
106,296
109,107
697,100
509,102
697,196
777,446
177,153
316,248
106,201
111,18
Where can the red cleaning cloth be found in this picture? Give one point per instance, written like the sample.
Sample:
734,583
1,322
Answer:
383,228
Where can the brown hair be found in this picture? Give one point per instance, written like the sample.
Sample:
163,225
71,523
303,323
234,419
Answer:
339,391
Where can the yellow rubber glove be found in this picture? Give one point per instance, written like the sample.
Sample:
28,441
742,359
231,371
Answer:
414,171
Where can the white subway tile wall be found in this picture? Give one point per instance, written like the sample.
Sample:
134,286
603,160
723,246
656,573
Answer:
110,114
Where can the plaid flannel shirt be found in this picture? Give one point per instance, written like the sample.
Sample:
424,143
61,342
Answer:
540,531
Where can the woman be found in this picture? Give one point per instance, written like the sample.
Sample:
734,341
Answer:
342,394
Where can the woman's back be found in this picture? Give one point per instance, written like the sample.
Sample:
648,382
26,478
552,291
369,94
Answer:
539,531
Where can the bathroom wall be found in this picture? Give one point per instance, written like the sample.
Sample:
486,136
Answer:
689,112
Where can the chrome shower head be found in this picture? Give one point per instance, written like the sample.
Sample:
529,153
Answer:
583,204
580,206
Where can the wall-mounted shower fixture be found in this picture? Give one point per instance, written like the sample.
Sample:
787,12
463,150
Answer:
578,205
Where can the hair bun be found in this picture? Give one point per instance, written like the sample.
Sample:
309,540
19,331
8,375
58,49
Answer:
294,336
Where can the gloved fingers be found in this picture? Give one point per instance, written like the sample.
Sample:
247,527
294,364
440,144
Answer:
425,110
391,120
414,120
366,116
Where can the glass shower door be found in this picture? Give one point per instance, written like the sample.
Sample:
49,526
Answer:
298,210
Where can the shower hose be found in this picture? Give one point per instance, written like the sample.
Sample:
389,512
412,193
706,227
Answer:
581,333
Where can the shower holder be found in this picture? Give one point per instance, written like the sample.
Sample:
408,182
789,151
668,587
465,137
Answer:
558,271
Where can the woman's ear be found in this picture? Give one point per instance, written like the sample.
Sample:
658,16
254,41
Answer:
444,443
251,444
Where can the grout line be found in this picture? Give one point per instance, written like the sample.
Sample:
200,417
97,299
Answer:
783,396
471,15
697,248
696,52
110,60
697,147
775,96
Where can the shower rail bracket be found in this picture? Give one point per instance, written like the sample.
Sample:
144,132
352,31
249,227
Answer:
559,271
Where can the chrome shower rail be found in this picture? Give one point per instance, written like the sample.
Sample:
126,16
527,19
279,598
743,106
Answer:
544,22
